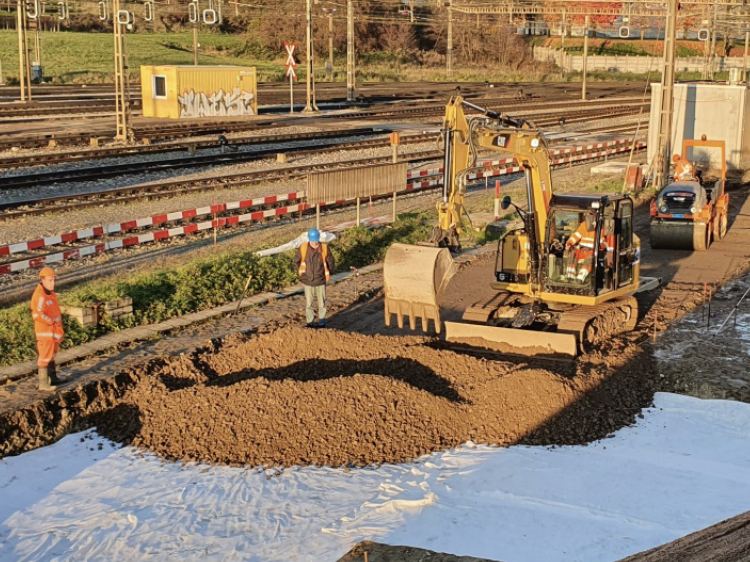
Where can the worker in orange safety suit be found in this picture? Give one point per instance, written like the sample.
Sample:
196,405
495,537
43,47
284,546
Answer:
683,169
48,328
582,243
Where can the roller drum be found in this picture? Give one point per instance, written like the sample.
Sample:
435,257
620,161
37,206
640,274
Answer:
678,235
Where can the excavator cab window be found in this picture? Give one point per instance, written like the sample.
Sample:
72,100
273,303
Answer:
569,257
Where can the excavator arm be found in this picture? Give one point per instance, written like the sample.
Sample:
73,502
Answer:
425,270
463,139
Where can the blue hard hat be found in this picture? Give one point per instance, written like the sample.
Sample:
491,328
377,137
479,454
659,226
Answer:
313,235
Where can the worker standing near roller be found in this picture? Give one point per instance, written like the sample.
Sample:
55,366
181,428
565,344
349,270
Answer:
683,169
314,263
48,328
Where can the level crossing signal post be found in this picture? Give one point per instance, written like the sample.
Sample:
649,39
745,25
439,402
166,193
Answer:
291,64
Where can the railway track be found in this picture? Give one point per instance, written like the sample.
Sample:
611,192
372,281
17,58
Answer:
57,108
246,213
162,132
333,141
16,209
93,173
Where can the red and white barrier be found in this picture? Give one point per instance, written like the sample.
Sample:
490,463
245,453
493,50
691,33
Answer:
140,223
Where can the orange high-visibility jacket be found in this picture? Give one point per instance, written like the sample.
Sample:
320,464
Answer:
582,236
47,316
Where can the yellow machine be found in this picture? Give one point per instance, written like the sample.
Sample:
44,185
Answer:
565,279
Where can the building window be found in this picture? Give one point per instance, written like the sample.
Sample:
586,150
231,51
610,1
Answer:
160,87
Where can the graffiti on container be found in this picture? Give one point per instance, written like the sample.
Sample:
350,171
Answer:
200,104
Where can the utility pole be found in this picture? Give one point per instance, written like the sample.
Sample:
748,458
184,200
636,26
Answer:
24,66
351,75
706,45
37,43
564,32
449,51
122,84
713,42
329,69
310,106
585,57
664,136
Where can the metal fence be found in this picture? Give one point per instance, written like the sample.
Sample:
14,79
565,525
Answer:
366,181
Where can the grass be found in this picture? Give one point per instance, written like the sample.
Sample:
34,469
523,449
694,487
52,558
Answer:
89,57
199,284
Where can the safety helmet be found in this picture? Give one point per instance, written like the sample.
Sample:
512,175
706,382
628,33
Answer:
47,272
313,235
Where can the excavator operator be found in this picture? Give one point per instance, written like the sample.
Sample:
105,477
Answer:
581,245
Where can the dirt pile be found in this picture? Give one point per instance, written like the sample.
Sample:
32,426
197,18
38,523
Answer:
324,397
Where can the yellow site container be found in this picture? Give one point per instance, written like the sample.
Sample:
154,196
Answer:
182,92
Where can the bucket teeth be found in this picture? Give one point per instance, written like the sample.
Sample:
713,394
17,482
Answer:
412,312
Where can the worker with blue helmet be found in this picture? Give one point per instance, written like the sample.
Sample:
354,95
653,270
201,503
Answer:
314,263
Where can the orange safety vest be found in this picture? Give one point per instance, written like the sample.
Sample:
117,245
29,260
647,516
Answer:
45,310
303,259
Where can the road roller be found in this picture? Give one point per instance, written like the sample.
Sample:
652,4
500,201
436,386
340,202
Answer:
693,210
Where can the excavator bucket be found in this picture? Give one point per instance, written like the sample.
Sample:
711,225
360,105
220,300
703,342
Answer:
415,278
512,340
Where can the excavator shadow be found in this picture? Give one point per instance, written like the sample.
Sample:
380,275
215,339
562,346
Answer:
407,370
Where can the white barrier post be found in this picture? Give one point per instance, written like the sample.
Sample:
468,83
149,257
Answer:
497,199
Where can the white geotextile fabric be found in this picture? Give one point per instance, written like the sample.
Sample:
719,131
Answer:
683,467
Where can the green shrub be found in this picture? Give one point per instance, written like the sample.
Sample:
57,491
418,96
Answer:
198,285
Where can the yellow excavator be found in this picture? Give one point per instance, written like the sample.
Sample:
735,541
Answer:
563,280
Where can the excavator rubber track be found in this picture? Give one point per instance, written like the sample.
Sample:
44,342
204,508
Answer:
594,324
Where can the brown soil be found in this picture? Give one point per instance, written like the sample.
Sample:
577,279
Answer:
297,397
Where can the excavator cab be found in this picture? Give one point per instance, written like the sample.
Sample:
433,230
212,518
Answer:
585,268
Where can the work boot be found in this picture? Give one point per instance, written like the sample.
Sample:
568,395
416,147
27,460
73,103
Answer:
52,370
322,324
44,381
